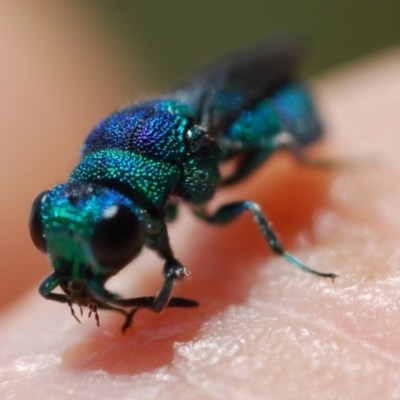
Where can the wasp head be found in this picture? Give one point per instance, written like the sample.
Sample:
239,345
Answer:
86,228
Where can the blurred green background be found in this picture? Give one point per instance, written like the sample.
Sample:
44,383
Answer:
173,37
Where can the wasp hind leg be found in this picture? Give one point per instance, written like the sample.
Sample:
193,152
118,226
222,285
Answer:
229,212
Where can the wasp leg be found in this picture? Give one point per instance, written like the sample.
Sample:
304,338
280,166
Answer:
50,283
128,321
127,314
173,270
110,300
70,305
259,152
254,157
148,302
251,161
230,211
144,302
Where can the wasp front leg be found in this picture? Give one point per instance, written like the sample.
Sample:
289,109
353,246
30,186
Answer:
173,270
48,285
46,290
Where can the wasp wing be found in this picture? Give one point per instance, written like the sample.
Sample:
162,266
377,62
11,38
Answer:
221,91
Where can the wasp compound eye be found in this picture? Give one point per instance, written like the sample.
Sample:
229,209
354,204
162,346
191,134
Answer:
118,237
36,225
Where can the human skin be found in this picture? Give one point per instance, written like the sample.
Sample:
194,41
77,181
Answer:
263,329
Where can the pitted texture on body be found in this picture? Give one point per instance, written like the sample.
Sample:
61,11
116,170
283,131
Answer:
155,129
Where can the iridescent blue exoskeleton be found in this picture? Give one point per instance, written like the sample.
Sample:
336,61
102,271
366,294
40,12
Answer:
138,163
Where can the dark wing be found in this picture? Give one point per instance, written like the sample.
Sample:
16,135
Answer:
220,91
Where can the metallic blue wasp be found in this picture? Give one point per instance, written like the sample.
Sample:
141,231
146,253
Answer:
140,161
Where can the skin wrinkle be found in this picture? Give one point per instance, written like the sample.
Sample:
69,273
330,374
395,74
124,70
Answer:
329,327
